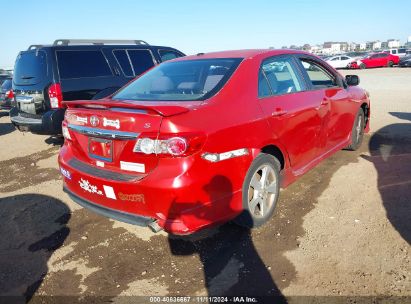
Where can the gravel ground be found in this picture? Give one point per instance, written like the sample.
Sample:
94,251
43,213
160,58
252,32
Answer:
343,229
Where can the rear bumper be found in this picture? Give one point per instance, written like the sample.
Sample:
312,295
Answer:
181,196
49,123
110,213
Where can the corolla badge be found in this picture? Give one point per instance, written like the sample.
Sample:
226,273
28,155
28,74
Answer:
94,121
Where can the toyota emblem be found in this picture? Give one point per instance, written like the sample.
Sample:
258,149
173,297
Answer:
94,121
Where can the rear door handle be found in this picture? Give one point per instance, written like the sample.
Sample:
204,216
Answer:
279,113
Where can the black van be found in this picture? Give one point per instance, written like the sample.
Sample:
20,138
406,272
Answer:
44,76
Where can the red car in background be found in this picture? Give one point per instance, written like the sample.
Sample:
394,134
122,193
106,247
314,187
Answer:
204,139
376,60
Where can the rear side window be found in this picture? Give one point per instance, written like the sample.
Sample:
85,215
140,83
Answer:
319,76
124,62
168,55
280,76
30,67
141,60
82,64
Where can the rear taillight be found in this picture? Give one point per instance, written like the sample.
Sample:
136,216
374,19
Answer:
65,130
10,94
55,96
172,145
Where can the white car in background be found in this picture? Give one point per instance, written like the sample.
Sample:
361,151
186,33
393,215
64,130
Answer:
340,61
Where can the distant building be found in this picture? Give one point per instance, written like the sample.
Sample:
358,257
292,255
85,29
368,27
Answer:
376,45
332,47
343,46
352,47
316,49
361,46
384,45
393,43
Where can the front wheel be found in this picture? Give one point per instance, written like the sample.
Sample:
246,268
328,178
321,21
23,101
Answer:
260,190
357,132
362,66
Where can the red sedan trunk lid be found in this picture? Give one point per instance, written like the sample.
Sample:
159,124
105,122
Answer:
105,132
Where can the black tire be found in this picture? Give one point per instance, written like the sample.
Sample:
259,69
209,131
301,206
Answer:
363,66
262,212
357,132
390,64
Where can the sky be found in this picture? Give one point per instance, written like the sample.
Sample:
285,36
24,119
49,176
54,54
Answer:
194,26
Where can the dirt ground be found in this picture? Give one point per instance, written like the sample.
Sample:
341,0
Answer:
343,229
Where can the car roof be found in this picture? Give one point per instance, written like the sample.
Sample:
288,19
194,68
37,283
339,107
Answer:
98,46
246,54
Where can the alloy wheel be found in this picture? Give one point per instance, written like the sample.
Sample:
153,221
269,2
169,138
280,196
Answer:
262,191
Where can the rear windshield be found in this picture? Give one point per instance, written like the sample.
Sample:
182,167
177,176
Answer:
30,67
181,80
6,85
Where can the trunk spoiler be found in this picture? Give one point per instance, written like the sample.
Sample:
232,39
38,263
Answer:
162,109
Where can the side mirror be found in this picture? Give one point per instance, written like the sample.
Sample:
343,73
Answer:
352,80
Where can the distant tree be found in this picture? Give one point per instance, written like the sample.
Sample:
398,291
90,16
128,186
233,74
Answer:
306,47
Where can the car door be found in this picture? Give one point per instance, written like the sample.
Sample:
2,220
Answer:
372,61
344,61
291,109
383,60
334,62
379,60
333,103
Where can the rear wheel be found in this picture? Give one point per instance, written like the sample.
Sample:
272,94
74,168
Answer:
261,188
357,132
390,64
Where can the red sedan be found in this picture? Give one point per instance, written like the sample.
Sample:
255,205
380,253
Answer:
376,60
209,138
